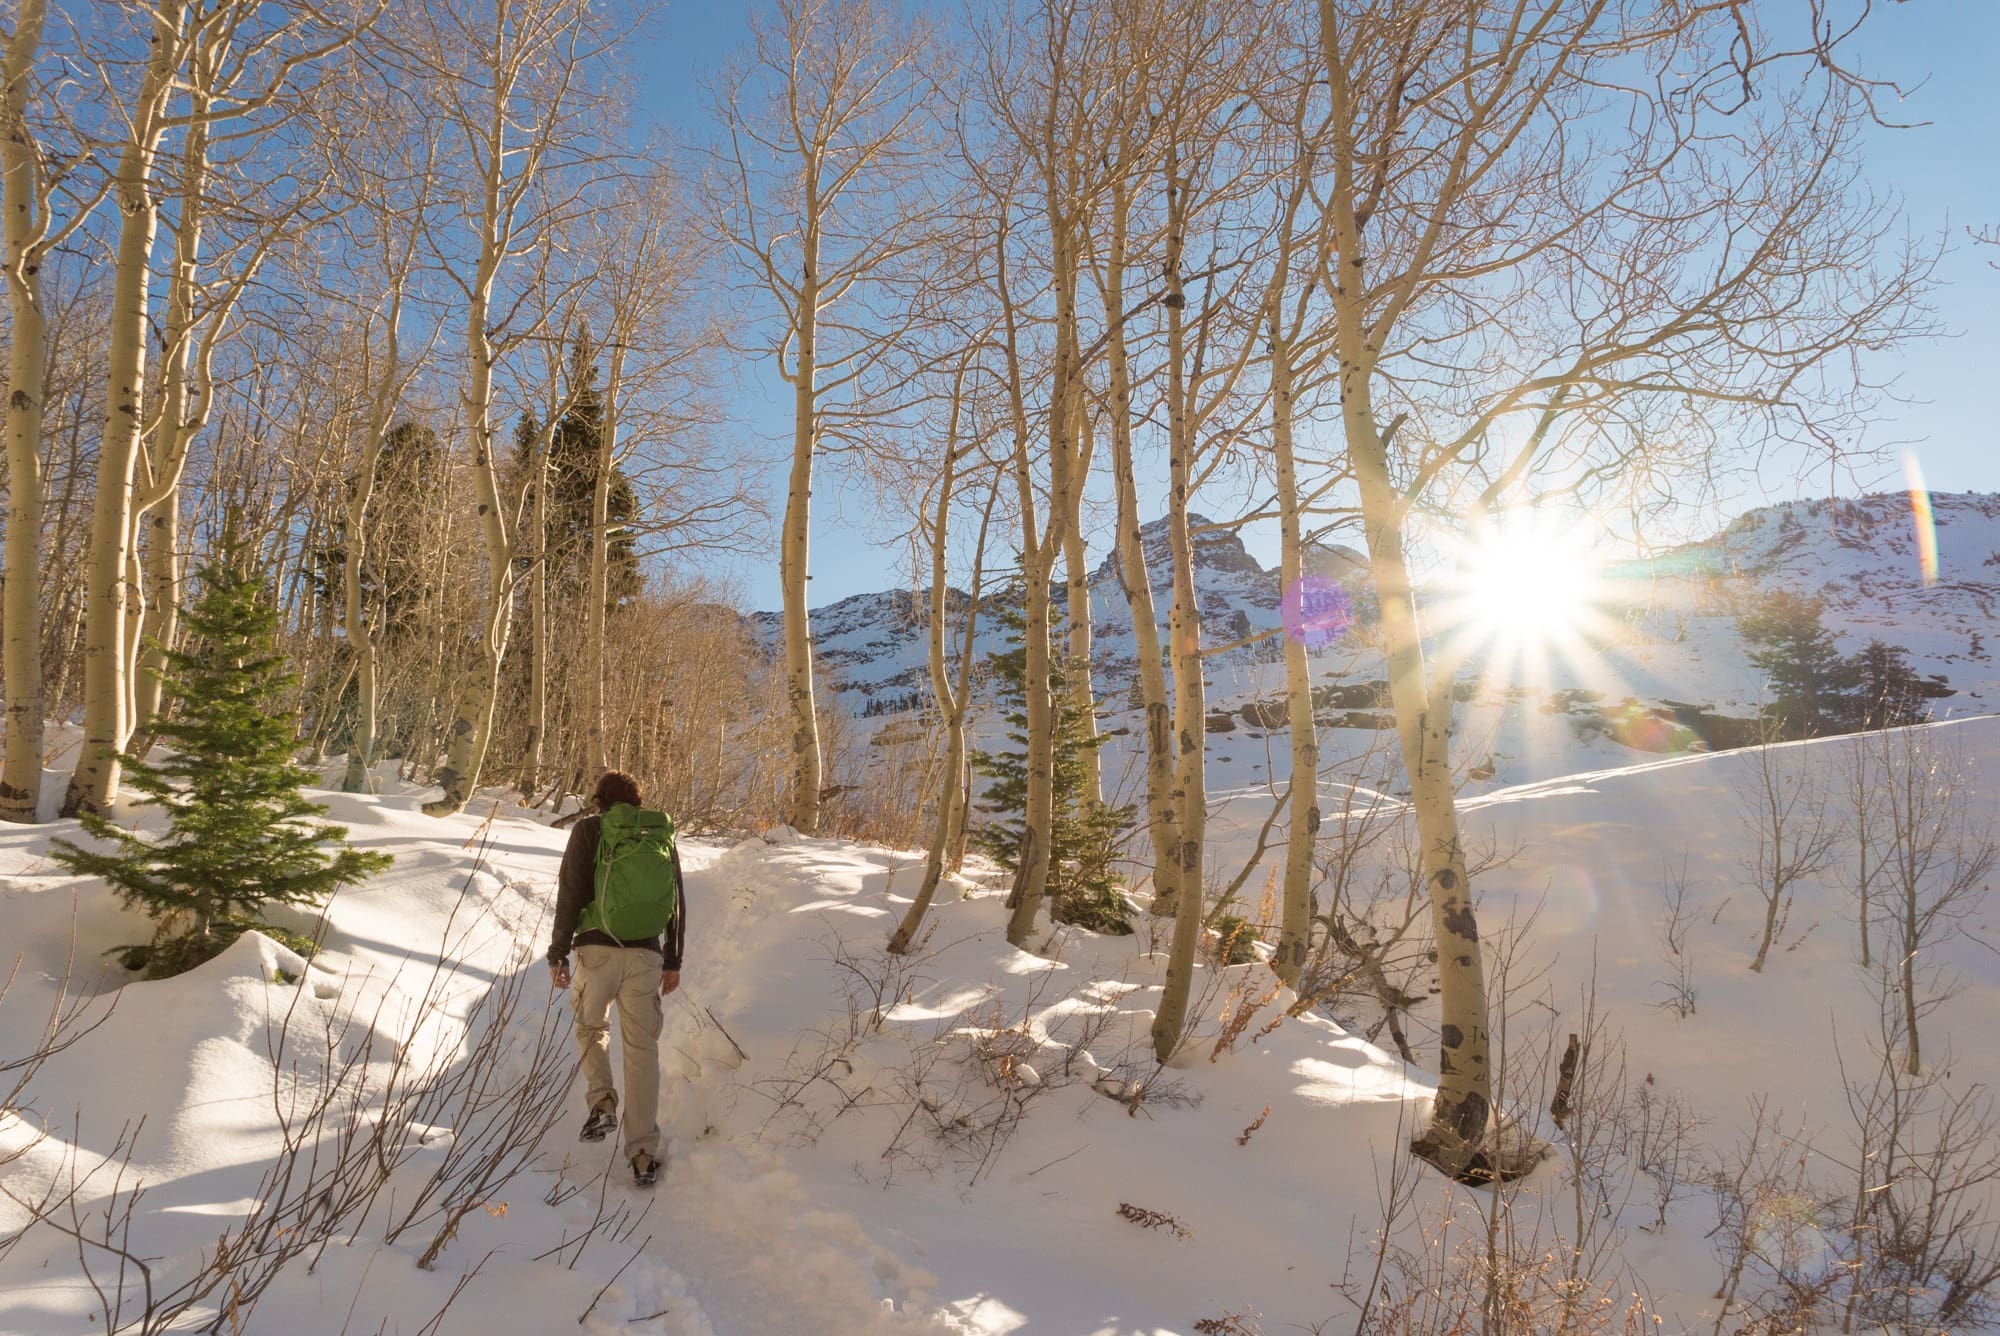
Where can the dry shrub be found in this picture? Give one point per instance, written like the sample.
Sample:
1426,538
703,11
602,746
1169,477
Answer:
1146,1218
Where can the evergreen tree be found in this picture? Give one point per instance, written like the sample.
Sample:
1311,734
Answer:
1891,692
1812,684
572,474
240,835
1083,887
405,515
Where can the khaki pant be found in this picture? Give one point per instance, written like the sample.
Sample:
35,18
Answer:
629,976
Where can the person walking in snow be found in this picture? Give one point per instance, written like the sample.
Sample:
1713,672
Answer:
620,902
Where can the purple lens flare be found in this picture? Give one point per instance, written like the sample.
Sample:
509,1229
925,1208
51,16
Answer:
1316,611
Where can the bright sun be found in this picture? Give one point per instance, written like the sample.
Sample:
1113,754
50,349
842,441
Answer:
1525,583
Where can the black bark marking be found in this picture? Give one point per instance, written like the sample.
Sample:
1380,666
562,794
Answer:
1447,880
1459,921
1470,1118
1451,1036
1559,1107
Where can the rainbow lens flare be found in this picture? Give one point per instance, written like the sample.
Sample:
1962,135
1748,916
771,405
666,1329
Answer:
1926,524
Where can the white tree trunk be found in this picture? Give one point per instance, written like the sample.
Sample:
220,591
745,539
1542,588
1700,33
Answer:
22,228
360,636
1463,1108
1184,632
472,725
1031,872
1295,924
1077,675
161,622
951,702
538,623
600,568
1161,823
807,763
1423,728
106,691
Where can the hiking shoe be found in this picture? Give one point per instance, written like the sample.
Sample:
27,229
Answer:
599,1124
645,1169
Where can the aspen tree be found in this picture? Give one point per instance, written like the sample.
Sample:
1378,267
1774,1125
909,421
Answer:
1128,161
1041,102
1078,678
253,74
953,699
1197,176
94,783
202,294
651,256
820,170
1521,308
511,84
1292,316
29,231
393,175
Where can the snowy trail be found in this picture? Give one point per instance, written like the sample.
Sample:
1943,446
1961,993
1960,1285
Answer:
736,1243
750,1243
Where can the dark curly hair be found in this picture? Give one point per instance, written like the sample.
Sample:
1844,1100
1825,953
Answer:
614,787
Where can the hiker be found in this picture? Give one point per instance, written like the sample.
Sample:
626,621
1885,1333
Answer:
620,901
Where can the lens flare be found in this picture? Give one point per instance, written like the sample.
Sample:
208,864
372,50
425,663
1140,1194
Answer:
1926,523
1525,591
1316,611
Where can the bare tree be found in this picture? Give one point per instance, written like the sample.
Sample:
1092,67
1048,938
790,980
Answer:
29,184
963,439
257,53
253,196
1035,85
1938,855
651,256
1207,353
1130,159
821,170
392,176
1522,309
1294,315
512,85
1791,829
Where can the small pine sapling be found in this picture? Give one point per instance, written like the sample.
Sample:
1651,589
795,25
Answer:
1083,887
240,835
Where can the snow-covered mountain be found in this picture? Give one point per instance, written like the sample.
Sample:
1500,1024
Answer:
1663,669
871,646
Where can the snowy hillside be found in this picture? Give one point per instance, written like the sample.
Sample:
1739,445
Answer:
1663,669
946,1143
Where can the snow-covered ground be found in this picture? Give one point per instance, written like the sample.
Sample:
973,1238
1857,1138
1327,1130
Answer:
945,1143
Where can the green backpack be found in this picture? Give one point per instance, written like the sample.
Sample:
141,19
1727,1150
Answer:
637,892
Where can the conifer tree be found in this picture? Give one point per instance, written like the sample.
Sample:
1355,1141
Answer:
572,474
1812,685
1083,887
1892,694
240,834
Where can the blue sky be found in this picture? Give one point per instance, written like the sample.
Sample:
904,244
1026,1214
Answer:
1940,51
